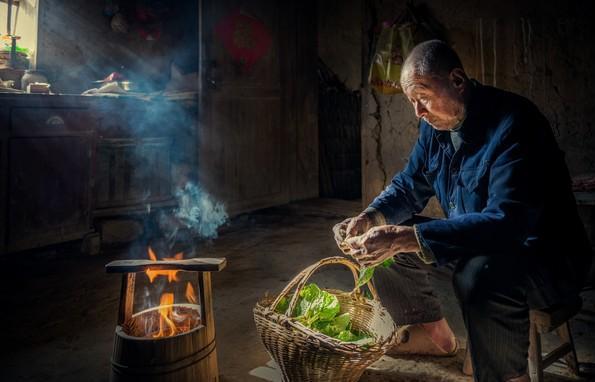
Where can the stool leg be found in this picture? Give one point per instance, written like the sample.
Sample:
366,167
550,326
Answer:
535,364
467,365
571,360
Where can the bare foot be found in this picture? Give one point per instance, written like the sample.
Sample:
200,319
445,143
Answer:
441,334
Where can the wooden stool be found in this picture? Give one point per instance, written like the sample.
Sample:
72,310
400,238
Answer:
546,321
541,322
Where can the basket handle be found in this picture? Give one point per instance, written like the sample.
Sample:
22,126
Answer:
303,277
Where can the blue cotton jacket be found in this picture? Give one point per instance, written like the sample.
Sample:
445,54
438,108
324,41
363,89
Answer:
507,189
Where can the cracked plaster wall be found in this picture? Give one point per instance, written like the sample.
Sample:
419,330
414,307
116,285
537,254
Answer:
541,50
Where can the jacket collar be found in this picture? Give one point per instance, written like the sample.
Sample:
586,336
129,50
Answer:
473,129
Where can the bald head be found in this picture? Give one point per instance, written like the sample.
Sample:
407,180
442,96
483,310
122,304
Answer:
434,81
433,58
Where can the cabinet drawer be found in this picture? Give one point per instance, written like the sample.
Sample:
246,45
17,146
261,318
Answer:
29,121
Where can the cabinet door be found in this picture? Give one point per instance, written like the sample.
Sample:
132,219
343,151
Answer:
49,191
132,175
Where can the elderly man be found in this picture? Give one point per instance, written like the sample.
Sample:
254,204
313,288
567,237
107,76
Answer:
511,232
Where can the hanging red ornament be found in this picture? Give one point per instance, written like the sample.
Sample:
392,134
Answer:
246,38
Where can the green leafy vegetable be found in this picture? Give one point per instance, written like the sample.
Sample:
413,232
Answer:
316,304
319,310
388,262
282,305
366,273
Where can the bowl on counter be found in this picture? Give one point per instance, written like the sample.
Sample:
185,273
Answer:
128,86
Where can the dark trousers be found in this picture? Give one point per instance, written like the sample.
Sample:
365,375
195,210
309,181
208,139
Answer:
492,292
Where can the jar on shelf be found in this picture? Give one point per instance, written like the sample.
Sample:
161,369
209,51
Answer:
32,76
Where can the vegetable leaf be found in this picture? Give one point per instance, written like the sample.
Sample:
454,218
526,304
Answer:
365,275
319,310
282,305
388,262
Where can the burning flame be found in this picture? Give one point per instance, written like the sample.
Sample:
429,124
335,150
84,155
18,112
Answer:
152,255
177,256
190,294
173,318
172,275
165,314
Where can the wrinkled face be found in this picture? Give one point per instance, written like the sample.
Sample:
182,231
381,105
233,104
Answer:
438,100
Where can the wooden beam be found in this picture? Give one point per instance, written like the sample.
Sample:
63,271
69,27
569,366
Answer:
196,265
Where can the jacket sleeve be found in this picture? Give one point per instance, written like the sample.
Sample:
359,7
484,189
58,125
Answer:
514,199
409,191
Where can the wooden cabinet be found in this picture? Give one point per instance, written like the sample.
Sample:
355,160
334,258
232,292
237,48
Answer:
66,160
132,173
48,190
46,162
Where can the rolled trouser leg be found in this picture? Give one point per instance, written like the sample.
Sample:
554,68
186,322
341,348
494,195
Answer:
492,293
405,291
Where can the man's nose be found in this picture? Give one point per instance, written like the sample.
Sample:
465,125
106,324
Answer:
420,110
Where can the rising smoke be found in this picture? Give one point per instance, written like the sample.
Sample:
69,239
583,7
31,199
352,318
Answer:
199,211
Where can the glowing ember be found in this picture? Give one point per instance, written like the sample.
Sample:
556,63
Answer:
168,318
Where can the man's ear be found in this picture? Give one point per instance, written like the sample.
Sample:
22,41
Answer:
458,78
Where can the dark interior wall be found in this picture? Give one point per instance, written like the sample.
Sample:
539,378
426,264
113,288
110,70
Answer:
340,39
339,98
77,44
542,50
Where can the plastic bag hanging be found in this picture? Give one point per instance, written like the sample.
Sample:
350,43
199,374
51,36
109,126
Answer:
393,45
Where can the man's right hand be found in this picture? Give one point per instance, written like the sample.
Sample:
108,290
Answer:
351,227
359,225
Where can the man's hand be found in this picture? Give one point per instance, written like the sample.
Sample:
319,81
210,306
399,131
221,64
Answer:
382,242
359,225
350,227
340,232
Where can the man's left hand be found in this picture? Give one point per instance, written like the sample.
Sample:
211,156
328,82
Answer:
382,242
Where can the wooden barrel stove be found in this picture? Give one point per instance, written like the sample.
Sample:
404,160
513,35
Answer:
189,356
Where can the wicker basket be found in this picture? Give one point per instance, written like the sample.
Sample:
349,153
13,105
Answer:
304,355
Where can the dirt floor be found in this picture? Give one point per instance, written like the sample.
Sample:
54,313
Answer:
59,307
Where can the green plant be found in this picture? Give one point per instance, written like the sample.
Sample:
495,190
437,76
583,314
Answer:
366,273
319,310
19,49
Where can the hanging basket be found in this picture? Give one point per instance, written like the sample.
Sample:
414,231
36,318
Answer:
305,355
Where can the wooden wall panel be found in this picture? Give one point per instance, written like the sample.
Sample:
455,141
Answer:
258,126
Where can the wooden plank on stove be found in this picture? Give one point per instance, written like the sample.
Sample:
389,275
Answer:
198,265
